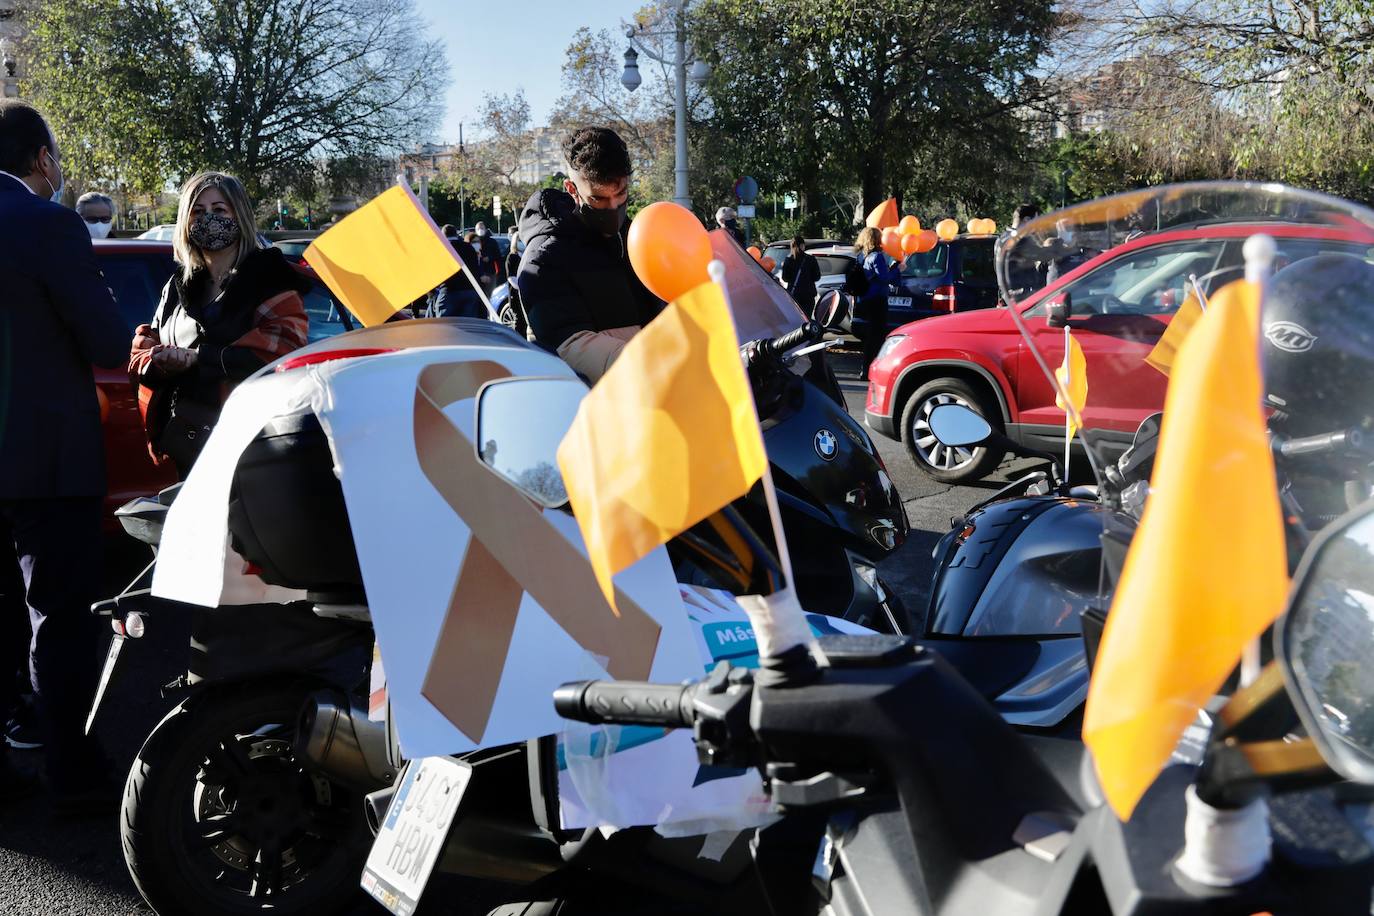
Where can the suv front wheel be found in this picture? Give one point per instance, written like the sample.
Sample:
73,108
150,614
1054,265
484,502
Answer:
945,463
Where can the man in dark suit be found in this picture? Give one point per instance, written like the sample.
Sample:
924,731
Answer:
57,317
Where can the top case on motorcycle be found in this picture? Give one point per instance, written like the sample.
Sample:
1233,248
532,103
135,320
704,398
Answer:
287,514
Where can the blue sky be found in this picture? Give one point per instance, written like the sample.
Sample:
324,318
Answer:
500,46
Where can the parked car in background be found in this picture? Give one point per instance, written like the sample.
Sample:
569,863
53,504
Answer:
136,270
1119,304
833,262
294,249
954,276
159,233
779,251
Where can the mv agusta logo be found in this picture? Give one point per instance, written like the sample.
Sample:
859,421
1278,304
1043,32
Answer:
826,444
1290,337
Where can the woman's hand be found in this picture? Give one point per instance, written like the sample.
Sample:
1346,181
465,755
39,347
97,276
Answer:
173,360
146,337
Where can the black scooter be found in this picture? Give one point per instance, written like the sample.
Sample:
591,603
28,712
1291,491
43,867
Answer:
903,791
247,796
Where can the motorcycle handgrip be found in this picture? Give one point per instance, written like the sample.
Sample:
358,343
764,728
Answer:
1317,445
626,703
809,331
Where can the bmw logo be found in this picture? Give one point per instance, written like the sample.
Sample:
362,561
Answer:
827,446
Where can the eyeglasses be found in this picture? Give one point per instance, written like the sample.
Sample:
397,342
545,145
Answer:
98,219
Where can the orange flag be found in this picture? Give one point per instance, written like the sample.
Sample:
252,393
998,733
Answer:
667,437
1207,571
1162,356
884,216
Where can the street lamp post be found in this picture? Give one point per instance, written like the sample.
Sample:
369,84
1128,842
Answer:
701,71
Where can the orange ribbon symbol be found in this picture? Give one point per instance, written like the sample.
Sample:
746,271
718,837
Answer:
513,549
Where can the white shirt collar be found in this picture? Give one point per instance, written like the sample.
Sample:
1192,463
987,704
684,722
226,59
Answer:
18,179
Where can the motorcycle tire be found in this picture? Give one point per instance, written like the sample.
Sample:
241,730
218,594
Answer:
219,819
938,461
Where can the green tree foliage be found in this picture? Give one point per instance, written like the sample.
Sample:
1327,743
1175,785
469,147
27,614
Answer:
886,94
145,91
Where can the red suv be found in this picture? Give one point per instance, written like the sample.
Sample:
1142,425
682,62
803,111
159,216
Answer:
1120,302
136,271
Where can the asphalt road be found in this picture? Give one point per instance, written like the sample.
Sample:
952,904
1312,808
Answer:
75,868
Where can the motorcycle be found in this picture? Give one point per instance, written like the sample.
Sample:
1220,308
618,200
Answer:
919,797
287,731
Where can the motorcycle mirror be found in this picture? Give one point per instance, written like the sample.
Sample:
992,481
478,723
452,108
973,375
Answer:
1325,640
520,423
957,425
1058,310
832,310
1148,429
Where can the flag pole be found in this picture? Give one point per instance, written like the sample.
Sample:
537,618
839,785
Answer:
481,294
784,636
1259,252
1068,408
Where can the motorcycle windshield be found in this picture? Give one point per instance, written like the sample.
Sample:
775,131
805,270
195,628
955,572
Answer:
1128,276
762,308
1105,293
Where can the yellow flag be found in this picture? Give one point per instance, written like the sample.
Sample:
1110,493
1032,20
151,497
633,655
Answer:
383,256
1207,570
667,437
1073,375
1164,352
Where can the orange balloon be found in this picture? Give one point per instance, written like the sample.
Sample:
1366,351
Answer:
911,243
104,403
754,252
946,229
990,226
768,264
892,243
927,240
669,249
909,225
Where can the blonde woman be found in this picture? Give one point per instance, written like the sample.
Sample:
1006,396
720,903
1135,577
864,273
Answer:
883,278
233,306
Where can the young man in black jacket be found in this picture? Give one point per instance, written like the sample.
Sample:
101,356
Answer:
579,291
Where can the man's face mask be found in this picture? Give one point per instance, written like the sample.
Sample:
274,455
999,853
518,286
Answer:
605,222
98,229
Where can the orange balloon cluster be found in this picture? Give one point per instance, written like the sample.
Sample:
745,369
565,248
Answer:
669,249
982,226
908,238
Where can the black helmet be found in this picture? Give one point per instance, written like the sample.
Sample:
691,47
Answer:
1317,342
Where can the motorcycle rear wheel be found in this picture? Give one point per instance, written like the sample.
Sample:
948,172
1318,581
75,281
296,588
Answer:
219,819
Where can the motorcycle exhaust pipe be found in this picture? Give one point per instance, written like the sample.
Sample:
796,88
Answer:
335,737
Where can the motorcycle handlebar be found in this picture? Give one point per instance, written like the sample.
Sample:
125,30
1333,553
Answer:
1351,439
626,703
809,332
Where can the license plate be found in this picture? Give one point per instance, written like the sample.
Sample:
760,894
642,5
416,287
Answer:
414,832
106,673
901,302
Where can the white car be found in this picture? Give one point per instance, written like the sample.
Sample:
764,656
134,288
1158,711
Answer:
162,233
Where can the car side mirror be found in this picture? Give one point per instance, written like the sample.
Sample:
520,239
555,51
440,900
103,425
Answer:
522,452
832,310
1058,310
958,426
1325,640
